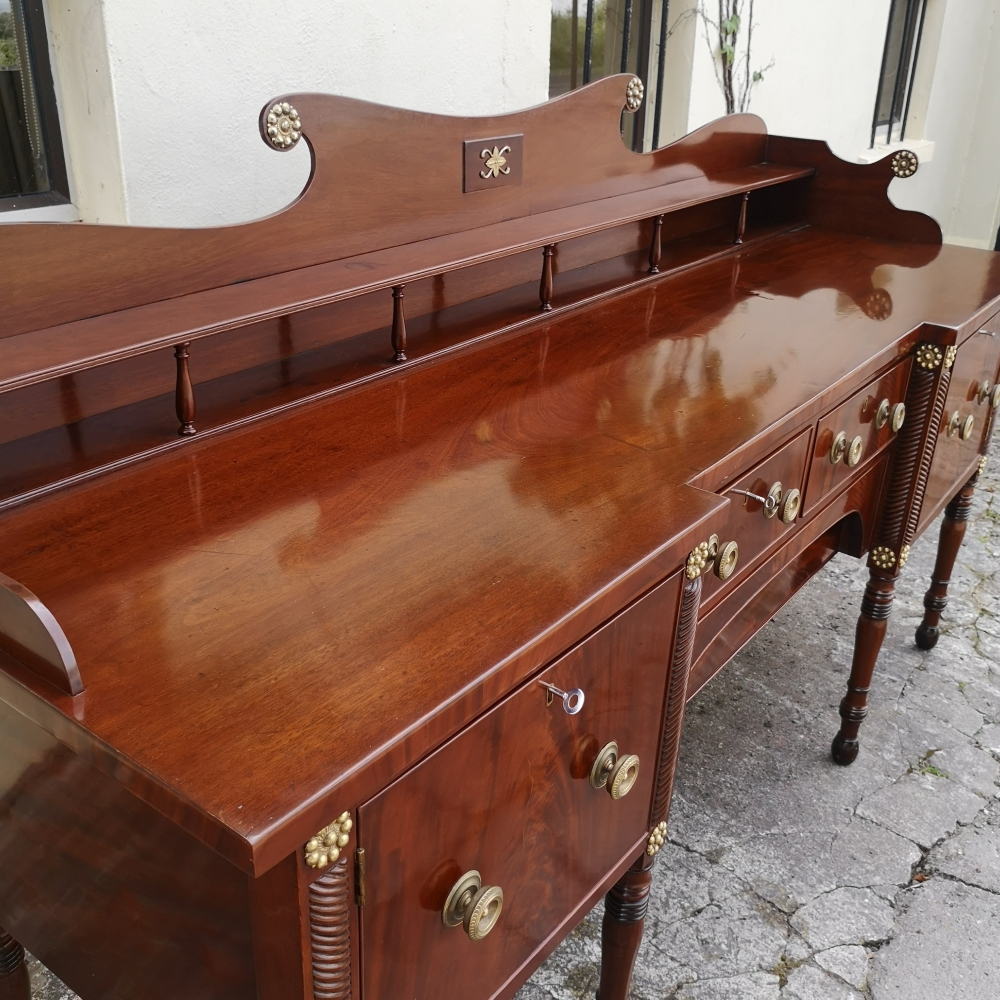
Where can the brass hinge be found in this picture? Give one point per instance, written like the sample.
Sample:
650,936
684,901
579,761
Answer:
359,876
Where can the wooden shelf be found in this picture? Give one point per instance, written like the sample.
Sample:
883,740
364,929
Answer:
64,456
60,350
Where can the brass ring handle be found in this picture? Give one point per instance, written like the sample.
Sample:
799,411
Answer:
790,508
953,423
984,392
615,774
475,906
838,448
604,765
623,776
725,562
882,415
855,451
897,416
968,424
995,396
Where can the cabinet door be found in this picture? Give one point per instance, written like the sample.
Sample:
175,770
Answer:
511,797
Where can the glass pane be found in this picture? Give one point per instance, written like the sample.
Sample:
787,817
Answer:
23,160
894,61
568,46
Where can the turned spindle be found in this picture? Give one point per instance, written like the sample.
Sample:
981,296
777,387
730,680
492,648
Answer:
184,396
398,324
545,285
655,246
741,223
956,516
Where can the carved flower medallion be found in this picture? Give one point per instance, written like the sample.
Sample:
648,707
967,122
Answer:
495,162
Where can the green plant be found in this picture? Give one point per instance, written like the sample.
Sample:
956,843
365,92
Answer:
8,44
725,35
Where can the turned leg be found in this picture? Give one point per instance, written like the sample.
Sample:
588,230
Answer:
868,636
624,913
14,981
956,514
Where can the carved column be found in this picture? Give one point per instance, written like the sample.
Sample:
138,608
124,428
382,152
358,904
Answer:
330,934
625,905
925,401
956,514
15,984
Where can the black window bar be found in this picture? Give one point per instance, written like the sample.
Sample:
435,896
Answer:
899,59
32,168
606,25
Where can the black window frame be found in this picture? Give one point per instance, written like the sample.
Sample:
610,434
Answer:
37,39
640,18
898,74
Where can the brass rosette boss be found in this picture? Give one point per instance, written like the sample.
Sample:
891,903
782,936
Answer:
325,848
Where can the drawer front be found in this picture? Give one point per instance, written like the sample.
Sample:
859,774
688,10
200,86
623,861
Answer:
859,417
746,524
959,439
511,798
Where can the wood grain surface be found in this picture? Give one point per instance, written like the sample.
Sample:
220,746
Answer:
374,530
511,798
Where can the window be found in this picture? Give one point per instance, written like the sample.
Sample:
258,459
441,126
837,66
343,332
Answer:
592,39
902,43
32,170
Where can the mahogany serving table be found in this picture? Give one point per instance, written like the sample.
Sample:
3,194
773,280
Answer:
345,637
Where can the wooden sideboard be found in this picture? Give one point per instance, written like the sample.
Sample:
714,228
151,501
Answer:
358,562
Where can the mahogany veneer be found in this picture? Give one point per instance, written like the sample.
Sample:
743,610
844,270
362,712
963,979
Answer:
297,515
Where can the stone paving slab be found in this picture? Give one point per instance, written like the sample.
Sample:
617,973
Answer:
786,877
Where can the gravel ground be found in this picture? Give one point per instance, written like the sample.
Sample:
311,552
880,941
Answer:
786,877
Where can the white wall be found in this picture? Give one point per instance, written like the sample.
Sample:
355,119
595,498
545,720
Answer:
827,57
186,80
960,187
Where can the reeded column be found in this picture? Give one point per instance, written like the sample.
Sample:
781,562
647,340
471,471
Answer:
915,445
626,903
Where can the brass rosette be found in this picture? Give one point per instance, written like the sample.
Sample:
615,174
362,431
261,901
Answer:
697,561
905,163
883,557
283,125
634,94
325,848
656,839
929,356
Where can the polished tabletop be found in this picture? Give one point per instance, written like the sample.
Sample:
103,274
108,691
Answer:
260,616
